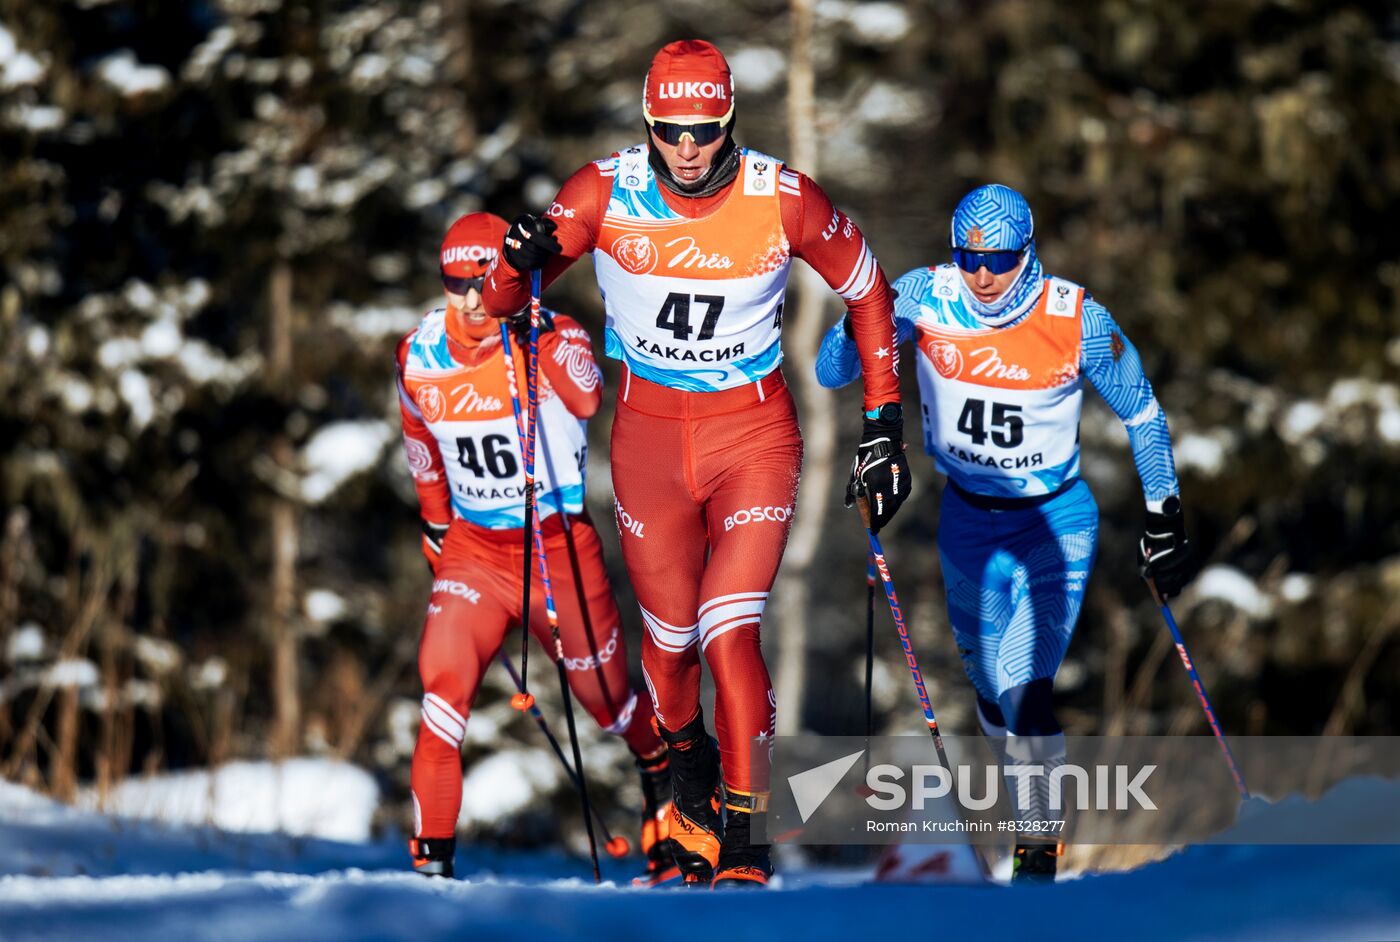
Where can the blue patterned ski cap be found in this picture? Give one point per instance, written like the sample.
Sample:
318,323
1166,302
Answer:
993,218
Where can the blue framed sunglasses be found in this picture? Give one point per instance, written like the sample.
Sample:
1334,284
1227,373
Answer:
998,263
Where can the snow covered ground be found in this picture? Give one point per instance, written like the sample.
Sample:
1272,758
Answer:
299,797
74,874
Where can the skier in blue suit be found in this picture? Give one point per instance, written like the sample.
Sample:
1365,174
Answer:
1004,350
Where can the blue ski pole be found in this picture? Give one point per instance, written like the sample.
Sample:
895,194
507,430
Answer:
1200,688
870,578
526,427
877,552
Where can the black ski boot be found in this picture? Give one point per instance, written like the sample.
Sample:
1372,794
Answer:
432,856
742,863
1035,863
694,822
656,819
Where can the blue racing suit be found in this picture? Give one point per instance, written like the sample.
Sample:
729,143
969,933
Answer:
1018,532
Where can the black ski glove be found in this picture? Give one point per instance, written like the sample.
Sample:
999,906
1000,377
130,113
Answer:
1165,554
433,535
530,242
520,326
880,472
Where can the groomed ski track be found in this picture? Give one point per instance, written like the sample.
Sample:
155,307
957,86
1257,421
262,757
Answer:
76,875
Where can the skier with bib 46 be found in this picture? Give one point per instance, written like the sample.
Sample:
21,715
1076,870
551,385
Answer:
692,237
463,449
1003,352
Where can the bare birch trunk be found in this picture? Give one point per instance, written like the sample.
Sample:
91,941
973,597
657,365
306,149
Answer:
63,779
802,327
460,69
286,685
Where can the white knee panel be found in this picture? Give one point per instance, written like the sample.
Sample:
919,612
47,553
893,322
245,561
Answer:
443,721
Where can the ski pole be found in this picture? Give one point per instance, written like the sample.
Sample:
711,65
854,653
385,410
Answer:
1200,687
616,846
580,592
870,577
877,553
531,416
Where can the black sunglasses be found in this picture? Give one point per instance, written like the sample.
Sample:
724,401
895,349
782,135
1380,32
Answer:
460,285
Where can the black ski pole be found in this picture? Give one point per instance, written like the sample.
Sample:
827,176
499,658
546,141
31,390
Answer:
616,846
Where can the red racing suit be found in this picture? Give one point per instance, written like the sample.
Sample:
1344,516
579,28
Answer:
706,450
463,450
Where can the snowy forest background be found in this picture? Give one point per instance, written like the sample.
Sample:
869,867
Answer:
217,216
